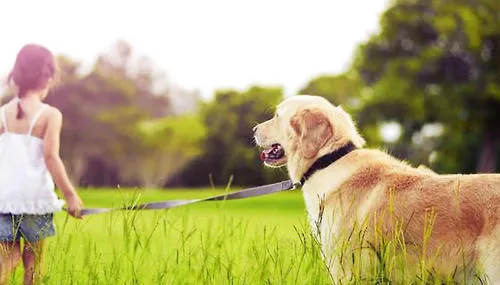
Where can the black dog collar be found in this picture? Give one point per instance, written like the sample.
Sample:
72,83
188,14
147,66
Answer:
326,160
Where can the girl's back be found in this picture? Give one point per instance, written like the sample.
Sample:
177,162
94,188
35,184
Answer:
22,125
26,183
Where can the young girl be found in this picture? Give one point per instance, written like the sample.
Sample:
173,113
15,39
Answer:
29,160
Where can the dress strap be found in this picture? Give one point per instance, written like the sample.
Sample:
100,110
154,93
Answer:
35,119
4,120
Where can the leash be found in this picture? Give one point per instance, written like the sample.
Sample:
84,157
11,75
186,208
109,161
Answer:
319,164
242,194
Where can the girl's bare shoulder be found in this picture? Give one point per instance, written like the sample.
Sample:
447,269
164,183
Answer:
53,114
53,111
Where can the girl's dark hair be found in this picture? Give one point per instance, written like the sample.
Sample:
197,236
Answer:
34,67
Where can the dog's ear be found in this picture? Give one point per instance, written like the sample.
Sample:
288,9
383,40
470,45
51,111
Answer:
313,129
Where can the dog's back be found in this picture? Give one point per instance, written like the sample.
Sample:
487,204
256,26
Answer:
450,222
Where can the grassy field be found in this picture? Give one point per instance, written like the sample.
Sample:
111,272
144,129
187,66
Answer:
263,240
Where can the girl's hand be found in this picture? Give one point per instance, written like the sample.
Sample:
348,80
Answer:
75,206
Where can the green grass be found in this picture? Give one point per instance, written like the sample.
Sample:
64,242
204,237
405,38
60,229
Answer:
263,240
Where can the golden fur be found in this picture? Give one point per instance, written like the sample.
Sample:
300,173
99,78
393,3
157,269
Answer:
374,191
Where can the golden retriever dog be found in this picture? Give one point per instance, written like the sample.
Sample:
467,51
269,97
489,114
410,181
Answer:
363,202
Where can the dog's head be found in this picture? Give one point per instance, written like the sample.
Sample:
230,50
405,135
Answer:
303,129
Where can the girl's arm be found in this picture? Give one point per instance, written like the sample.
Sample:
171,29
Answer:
51,144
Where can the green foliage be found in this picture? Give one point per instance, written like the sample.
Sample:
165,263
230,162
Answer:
437,62
164,146
344,89
180,133
102,139
229,150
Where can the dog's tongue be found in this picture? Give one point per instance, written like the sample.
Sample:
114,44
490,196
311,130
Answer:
270,153
265,154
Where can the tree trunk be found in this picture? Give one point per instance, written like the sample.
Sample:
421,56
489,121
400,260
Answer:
488,156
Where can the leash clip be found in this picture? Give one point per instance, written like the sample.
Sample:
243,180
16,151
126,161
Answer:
296,185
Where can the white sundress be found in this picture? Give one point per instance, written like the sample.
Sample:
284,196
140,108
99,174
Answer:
26,186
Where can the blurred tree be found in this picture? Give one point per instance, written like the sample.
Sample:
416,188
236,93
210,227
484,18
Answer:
103,114
165,147
100,113
66,97
343,89
437,62
229,149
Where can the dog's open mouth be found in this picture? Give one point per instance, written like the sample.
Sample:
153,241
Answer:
273,155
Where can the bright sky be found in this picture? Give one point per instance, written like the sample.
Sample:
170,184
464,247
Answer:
200,44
